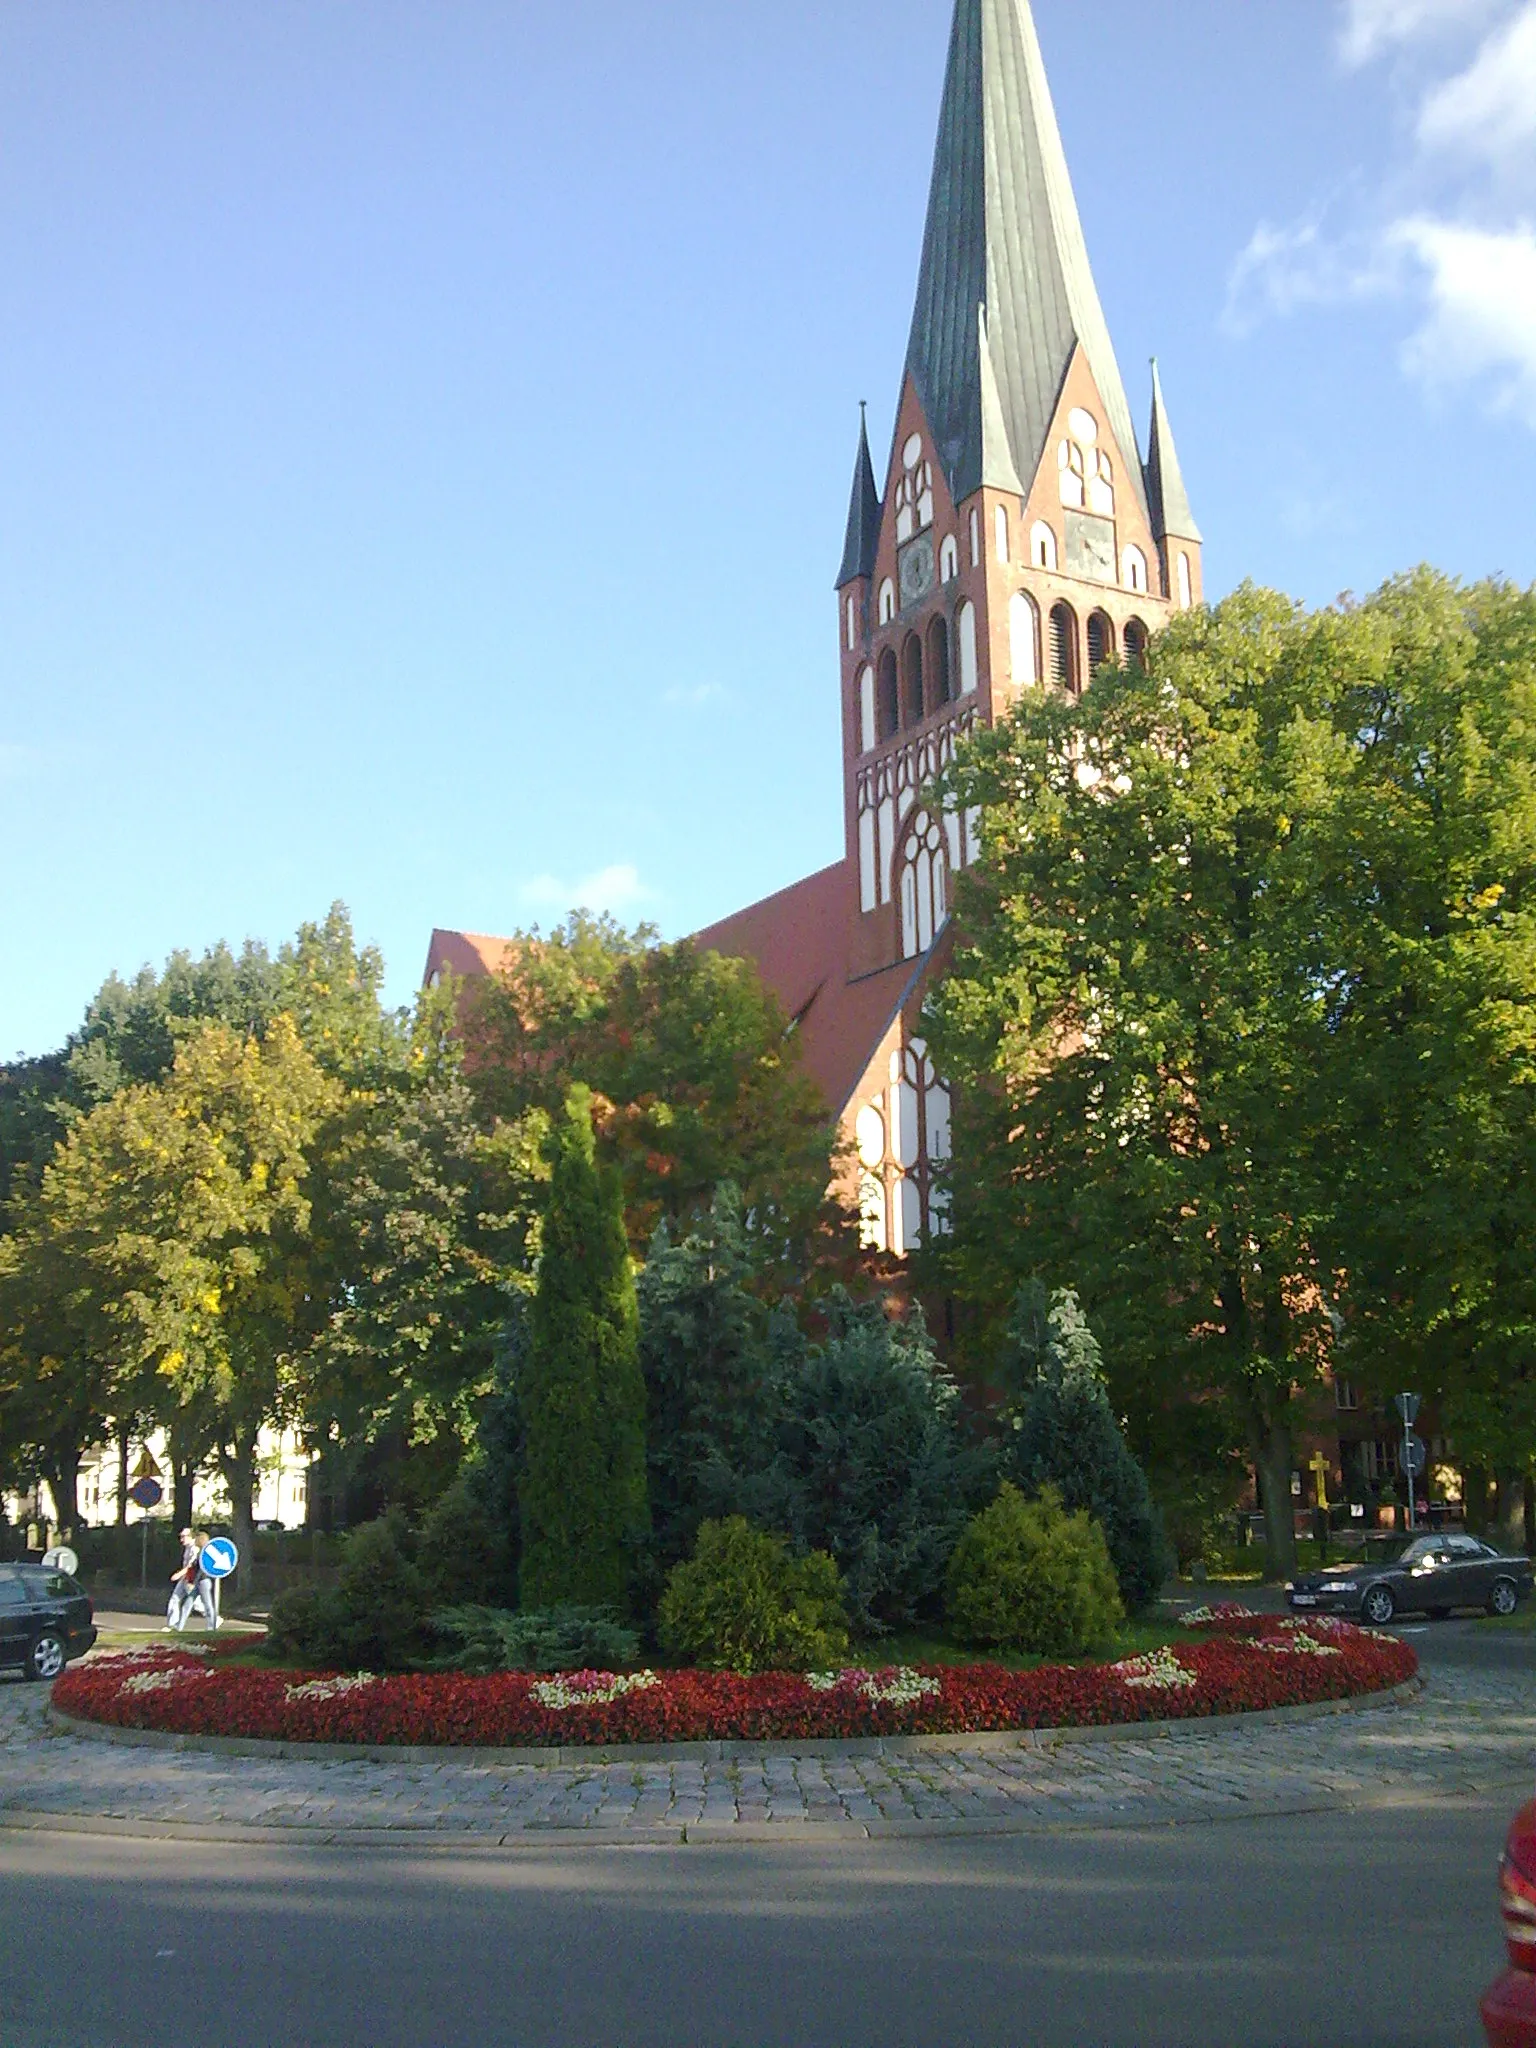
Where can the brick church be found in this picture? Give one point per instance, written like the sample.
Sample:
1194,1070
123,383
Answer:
1020,540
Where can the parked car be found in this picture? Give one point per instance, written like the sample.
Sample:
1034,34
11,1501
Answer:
1424,1574
1509,2007
45,1619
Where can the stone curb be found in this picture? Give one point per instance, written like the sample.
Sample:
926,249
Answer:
721,1752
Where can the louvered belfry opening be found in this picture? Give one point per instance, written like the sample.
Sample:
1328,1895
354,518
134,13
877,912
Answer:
1101,642
888,698
912,679
1136,643
939,690
1064,648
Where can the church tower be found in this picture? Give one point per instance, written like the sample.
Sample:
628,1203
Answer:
1019,541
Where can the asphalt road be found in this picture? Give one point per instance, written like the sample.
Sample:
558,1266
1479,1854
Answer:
1344,1932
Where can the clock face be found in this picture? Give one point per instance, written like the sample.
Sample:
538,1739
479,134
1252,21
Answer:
1090,547
916,570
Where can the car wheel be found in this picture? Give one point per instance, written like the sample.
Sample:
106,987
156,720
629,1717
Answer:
1504,1598
47,1657
1378,1606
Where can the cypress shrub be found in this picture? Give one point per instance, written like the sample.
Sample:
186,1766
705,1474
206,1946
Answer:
581,1396
703,1351
873,1463
1065,1434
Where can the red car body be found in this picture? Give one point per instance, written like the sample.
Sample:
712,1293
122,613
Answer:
1509,2007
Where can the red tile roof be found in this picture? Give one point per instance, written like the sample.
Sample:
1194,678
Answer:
799,940
466,953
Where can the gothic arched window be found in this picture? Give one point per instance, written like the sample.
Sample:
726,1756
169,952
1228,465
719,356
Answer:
949,560
912,681
1134,570
1186,583
939,690
1136,642
965,623
1101,642
1042,546
1024,637
866,710
888,697
887,602
1064,648
924,867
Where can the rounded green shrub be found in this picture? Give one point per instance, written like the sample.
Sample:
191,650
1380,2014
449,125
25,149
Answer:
744,1603
1026,1575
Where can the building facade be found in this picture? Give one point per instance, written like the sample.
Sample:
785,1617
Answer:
1019,540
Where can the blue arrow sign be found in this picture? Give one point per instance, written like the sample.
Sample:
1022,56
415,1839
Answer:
219,1557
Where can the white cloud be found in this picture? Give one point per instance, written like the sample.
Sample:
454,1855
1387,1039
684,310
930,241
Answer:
1489,110
1371,26
1482,321
617,888
1284,269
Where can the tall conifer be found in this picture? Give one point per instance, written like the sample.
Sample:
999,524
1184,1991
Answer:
583,1497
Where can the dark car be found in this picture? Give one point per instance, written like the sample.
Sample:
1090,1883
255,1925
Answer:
1424,1574
45,1619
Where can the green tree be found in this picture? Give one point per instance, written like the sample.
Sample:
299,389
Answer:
1064,1434
1137,1025
1429,910
581,1395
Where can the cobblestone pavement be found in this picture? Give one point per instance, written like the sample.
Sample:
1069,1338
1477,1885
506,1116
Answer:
1468,1732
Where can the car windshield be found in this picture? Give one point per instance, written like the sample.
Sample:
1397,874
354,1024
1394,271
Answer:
1401,1549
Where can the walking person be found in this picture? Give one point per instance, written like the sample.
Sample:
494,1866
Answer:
184,1582
205,1591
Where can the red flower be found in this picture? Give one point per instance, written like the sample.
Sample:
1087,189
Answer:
1232,1674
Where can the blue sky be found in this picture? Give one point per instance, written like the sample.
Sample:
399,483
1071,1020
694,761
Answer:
425,431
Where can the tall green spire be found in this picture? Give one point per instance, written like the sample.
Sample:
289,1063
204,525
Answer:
1006,293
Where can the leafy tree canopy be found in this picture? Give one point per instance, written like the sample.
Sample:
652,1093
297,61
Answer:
694,1071
1249,950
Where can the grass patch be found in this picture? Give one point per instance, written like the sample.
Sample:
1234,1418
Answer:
1131,1640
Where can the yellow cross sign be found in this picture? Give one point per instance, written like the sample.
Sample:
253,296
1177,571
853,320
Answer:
1318,1465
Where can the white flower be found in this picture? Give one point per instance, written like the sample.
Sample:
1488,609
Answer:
1297,1646
899,1687
330,1688
156,1681
1157,1671
589,1689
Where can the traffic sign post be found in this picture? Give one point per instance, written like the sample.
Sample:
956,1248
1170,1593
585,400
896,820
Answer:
146,1492
1413,1448
218,1560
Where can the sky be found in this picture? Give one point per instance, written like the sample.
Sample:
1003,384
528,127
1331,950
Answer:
426,432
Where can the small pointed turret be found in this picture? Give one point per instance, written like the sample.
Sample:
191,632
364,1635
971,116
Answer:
1167,498
863,514
1004,241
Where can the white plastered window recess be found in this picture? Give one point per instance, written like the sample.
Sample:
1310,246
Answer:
887,602
1042,546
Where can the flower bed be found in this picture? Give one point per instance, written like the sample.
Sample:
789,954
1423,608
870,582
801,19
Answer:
1238,1663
